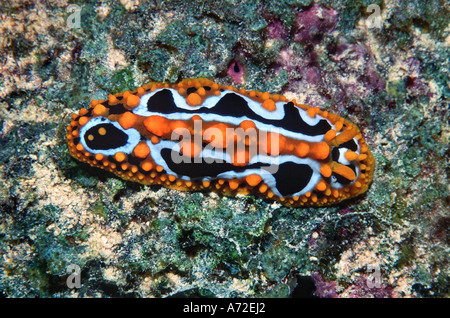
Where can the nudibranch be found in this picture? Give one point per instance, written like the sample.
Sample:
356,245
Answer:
200,135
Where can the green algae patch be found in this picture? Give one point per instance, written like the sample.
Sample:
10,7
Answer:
99,209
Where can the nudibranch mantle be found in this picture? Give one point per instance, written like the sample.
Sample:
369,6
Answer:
200,135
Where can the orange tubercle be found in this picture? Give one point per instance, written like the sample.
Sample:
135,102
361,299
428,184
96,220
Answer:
194,99
157,125
345,136
247,124
338,125
330,134
146,165
120,156
343,171
350,155
83,120
132,101
140,91
269,105
112,100
233,184
325,170
100,110
141,150
128,120
319,150
82,112
321,185
311,112
253,180
201,91
302,149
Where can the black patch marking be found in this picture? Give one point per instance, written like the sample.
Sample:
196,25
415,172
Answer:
352,167
160,101
191,90
293,121
114,137
351,144
117,109
133,160
335,154
341,179
233,105
197,171
292,177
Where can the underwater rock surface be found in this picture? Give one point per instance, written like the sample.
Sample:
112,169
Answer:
388,73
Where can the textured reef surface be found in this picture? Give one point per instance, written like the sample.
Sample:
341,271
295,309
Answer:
383,65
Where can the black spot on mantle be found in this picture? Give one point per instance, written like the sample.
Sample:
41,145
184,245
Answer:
114,137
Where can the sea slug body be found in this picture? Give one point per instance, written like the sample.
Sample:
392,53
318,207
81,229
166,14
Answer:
199,135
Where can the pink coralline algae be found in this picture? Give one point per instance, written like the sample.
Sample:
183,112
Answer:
361,288
303,66
413,82
276,30
313,23
311,74
324,289
236,71
305,73
358,68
